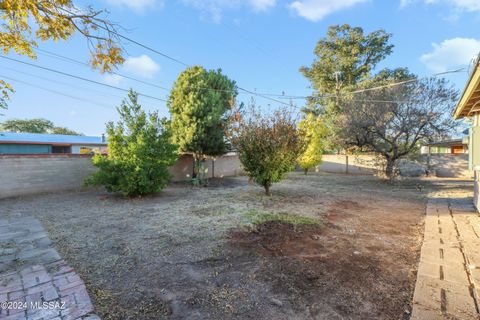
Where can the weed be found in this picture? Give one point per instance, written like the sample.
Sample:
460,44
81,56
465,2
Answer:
257,217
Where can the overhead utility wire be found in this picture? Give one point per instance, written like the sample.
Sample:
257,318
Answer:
179,61
58,56
57,92
63,83
265,96
80,78
384,86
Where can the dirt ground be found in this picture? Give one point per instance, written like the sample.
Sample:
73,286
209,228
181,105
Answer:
190,253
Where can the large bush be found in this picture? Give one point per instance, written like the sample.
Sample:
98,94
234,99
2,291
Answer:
139,152
312,131
268,145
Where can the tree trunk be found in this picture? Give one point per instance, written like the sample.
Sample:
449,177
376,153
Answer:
196,165
305,171
389,169
267,190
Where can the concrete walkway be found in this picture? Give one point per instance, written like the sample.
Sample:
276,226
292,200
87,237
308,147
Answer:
35,283
448,280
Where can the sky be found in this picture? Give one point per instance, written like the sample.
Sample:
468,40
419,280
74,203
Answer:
261,44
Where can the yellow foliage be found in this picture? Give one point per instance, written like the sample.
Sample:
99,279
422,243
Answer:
56,20
312,131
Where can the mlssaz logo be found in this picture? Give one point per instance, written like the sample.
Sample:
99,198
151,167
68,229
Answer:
51,305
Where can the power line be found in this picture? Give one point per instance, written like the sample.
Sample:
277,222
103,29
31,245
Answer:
79,78
179,61
265,96
62,83
142,45
376,88
58,56
58,92
69,85
407,81
55,55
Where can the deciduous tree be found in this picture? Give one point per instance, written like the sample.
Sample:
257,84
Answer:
38,125
25,22
393,121
268,145
65,131
27,125
139,152
312,131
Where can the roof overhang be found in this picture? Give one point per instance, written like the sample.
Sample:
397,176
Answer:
447,143
57,144
470,101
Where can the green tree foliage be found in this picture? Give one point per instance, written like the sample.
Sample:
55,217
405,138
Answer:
350,52
198,104
38,125
312,131
27,125
65,131
268,145
24,22
345,59
139,152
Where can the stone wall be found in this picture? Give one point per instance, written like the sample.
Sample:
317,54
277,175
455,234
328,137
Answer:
29,174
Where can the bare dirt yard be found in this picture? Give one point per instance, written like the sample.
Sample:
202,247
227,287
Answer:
339,247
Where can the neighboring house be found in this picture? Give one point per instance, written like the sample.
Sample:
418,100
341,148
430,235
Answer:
454,146
34,143
469,106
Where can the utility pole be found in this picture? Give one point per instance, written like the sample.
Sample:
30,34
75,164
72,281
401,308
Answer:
337,88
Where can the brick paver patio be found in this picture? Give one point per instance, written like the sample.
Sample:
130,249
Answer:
35,283
448,280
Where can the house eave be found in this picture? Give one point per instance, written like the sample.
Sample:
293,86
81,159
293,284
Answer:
470,100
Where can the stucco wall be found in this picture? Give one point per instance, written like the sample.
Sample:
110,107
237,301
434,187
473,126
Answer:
476,197
441,165
29,174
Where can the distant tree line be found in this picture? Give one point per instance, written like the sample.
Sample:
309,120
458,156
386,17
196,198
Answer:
35,126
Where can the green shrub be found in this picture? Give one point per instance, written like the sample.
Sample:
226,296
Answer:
268,145
139,152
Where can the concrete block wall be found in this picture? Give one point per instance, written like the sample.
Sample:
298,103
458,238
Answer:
182,170
20,175
228,165
363,164
30,174
441,165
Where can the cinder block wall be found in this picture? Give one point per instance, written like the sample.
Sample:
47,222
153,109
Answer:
30,174
441,165
20,175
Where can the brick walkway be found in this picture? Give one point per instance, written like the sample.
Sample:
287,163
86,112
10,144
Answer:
34,281
448,280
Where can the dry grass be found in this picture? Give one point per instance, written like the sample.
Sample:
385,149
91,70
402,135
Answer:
184,254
